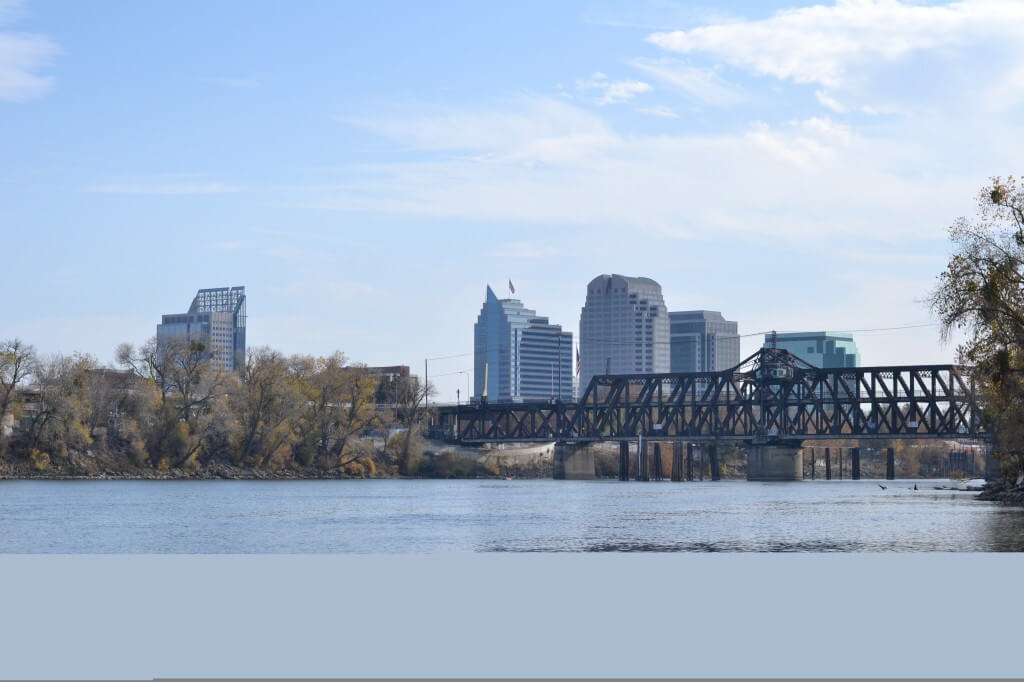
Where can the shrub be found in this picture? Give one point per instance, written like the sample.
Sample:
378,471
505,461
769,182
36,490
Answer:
40,460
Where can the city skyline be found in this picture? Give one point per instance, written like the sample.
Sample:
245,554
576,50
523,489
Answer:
329,175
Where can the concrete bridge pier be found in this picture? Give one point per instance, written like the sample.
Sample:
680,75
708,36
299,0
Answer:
573,463
656,472
689,461
778,462
716,469
890,464
623,461
855,464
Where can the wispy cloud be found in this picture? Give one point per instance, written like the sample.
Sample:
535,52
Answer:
23,57
660,110
781,181
702,84
529,129
164,187
612,91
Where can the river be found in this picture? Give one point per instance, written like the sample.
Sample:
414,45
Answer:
417,516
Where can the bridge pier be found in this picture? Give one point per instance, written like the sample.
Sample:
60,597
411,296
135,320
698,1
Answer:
779,462
573,463
716,470
689,461
855,465
828,464
677,461
658,476
890,464
641,460
623,461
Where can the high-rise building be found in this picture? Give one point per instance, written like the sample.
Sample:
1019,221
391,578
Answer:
215,319
624,328
820,349
519,354
703,341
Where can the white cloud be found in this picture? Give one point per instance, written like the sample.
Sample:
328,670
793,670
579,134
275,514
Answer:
164,187
661,111
702,84
22,57
812,179
612,92
829,102
821,44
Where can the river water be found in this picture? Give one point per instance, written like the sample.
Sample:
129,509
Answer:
416,516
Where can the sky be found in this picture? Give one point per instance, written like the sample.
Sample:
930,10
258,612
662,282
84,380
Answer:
365,170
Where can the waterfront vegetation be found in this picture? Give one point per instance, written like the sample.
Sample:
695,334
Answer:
170,410
981,293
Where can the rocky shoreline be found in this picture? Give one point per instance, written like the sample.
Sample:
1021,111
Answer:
1004,494
215,472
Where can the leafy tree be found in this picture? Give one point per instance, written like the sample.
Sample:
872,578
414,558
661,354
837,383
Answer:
339,405
59,419
981,292
265,403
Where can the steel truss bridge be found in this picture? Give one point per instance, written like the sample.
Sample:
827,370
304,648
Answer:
772,396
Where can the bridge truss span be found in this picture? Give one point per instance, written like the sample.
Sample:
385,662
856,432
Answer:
772,396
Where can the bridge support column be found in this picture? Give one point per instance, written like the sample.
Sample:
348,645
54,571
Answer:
828,464
689,461
890,464
677,461
716,470
779,462
658,476
623,461
573,463
855,465
813,468
641,460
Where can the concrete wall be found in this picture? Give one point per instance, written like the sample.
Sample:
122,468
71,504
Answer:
775,463
573,463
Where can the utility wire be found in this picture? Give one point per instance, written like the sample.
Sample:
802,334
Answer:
609,342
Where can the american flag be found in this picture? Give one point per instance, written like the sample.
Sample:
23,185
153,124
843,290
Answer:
511,287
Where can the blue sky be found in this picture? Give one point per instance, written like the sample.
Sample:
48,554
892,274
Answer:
365,169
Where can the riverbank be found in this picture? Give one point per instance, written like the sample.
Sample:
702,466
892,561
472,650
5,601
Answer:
1004,494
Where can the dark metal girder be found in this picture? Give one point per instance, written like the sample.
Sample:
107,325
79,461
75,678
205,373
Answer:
915,401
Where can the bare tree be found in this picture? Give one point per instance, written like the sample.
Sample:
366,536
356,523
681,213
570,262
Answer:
410,412
17,362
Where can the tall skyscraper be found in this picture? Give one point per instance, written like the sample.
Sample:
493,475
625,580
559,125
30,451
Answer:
820,349
703,341
216,319
521,355
624,328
